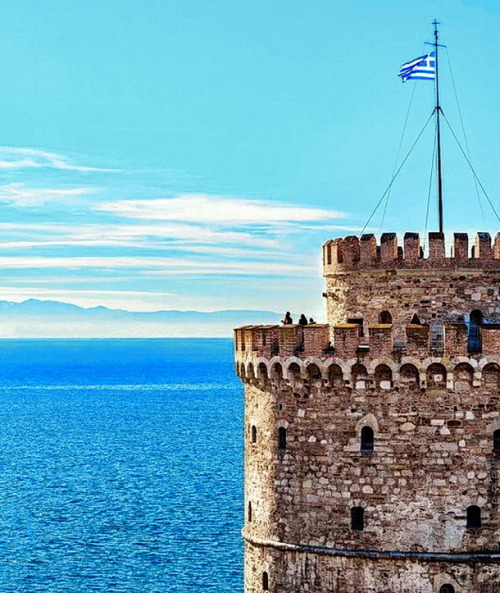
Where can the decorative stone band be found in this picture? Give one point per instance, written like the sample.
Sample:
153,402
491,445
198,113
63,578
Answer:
460,557
378,374
351,253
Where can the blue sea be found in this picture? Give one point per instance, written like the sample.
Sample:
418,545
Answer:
120,466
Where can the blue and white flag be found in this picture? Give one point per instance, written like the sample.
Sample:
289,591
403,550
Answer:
423,68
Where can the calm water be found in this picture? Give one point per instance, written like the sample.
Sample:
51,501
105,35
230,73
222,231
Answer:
120,466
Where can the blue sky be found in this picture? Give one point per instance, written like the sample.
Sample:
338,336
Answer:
168,154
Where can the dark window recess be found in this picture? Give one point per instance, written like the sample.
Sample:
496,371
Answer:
359,323
496,440
367,439
447,589
385,317
357,518
249,512
474,333
265,581
473,517
254,434
281,438
415,320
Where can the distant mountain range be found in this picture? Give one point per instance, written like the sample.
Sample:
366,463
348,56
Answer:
53,319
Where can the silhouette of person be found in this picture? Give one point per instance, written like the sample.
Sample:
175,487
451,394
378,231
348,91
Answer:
288,318
303,320
311,320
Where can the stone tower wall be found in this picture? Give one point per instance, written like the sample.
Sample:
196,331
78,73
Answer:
433,407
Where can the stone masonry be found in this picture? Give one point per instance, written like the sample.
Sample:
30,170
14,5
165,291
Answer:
372,443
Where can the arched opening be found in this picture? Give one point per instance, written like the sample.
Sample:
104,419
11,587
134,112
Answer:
281,438
313,372
473,517
496,441
359,376
265,581
357,518
474,333
436,376
335,376
367,437
447,589
294,372
277,372
462,377
408,376
254,433
385,317
491,376
263,371
249,512
250,371
383,376
415,320
240,368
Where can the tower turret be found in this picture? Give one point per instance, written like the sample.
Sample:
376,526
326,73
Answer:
372,443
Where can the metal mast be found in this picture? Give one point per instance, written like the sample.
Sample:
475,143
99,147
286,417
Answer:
437,109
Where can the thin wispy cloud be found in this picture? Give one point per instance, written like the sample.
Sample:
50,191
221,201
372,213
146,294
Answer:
17,194
128,235
156,265
28,158
215,209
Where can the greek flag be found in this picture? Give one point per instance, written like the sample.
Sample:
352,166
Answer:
423,68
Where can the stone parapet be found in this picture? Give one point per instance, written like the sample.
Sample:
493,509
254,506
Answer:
344,340
351,253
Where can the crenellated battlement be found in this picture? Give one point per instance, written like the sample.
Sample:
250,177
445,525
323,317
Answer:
380,430
351,253
268,341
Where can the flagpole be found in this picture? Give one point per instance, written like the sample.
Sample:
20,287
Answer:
438,131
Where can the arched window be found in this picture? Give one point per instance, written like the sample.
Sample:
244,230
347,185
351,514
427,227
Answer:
473,517
415,320
436,375
447,589
281,438
313,372
249,514
462,376
250,372
385,317
496,441
367,439
277,372
491,376
408,375
265,581
294,372
474,333
254,434
357,518
263,371
359,376
335,376
383,376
